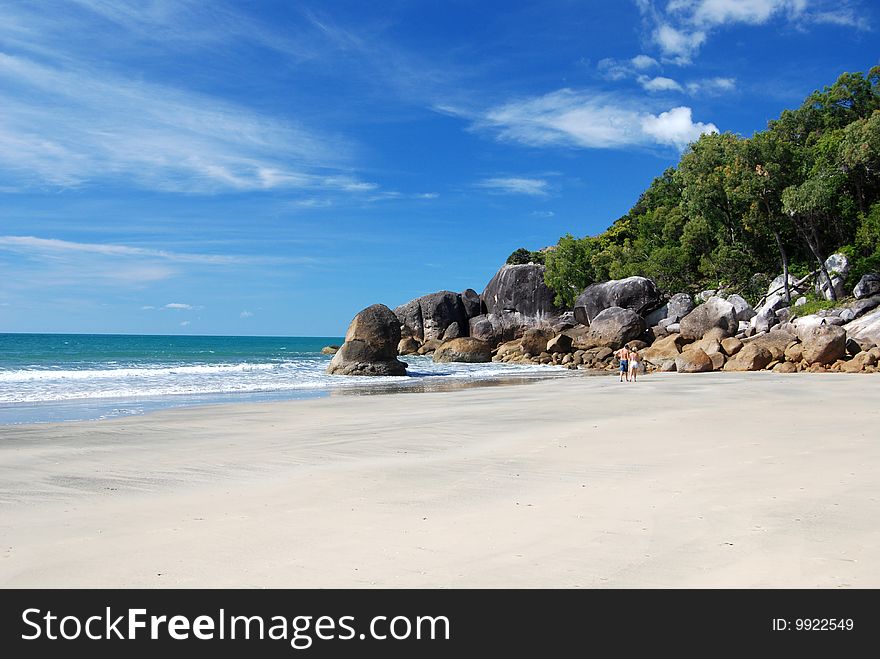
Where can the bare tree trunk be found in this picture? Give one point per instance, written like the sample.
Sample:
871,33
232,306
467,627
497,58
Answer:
812,240
815,249
784,266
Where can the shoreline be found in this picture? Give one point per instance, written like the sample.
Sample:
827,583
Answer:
154,404
730,480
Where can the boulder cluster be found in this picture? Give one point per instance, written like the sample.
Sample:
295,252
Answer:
515,320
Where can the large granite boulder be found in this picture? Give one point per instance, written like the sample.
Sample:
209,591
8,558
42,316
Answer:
764,319
370,346
752,357
454,331
838,267
520,289
465,349
824,344
742,308
731,345
509,348
868,285
714,312
429,346
694,361
615,326
429,316
859,362
534,340
708,344
471,302
772,302
499,328
658,316
560,343
638,294
409,316
563,321
487,328
794,353
679,306
676,308
514,300
784,315
804,324
776,342
775,298
866,329
664,349
408,346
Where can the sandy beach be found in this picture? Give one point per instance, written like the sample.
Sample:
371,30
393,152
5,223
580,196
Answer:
714,480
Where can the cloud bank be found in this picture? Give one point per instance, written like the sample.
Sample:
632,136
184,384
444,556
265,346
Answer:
586,120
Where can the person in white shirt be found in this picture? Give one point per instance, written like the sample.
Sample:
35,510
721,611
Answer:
634,364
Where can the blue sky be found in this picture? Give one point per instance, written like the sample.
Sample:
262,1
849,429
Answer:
274,167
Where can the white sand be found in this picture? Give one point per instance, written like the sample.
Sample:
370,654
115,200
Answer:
734,480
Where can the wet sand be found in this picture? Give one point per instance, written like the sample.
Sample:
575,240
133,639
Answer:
710,480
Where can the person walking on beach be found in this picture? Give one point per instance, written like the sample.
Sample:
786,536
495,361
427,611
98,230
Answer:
634,364
623,356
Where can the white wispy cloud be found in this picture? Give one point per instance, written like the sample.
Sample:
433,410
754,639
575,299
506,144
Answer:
544,214
386,195
72,118
679,45
515,185
246,314
589,120
32,244
311,202
718,12
711,86
841,13
682,27
178,306
644,62
185,323
48,262
615,70
619,69
659,84
92,126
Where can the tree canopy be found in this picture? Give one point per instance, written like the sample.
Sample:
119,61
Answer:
739,210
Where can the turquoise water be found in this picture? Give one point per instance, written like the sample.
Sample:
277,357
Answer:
58,377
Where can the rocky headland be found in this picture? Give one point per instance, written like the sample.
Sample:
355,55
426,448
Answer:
515,320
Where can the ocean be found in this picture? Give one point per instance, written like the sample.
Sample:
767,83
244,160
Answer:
64,377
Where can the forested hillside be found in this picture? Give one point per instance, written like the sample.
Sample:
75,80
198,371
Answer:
738,211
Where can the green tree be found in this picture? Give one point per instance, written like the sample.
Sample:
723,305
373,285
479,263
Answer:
734,206
808,205
858,155
569,270
522,256
519,256
765,171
